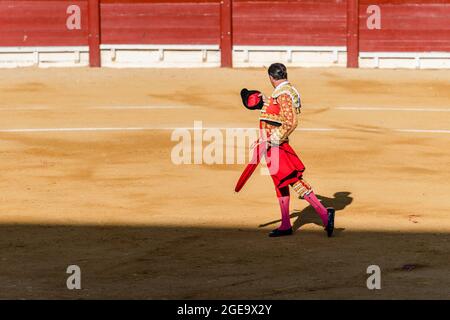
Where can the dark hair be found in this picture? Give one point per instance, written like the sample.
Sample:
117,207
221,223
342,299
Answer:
277,71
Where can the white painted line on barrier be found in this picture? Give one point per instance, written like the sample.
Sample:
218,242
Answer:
96,107
394,109
169,107
37,130
33,130
110,129
23,108
247,128
422,131
141,107
316,129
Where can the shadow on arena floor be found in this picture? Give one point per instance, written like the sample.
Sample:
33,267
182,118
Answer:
339,201
204,263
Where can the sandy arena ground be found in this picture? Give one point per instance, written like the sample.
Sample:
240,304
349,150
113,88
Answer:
111,201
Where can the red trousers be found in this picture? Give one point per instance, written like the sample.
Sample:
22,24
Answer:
284,165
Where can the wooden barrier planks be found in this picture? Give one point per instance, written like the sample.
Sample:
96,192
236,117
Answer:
41,23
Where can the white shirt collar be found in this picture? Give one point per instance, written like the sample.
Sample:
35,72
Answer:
281,84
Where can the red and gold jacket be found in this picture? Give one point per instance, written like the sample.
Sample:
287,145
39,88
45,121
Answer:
279,117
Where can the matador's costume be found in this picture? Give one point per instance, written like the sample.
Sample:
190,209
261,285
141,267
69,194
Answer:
278,119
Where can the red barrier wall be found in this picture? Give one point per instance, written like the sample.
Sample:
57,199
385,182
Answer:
301,23
146,22
416,25
40,23
407,26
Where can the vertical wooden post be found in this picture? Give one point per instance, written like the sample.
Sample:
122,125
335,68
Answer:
352,33
226,33
94,33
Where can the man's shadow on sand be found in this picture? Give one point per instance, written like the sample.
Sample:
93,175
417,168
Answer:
308,215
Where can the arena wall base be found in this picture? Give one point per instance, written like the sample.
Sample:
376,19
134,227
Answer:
208,56
295,56
160,56
44,57
409,60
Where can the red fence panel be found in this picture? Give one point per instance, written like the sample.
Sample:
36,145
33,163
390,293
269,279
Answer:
149,22
41,23
406,26
302,23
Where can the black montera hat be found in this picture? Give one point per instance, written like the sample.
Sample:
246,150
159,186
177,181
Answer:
252,99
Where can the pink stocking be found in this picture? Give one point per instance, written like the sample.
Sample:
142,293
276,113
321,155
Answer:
283,199
318,206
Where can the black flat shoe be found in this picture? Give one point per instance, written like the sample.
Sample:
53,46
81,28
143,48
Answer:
280,233
330,225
